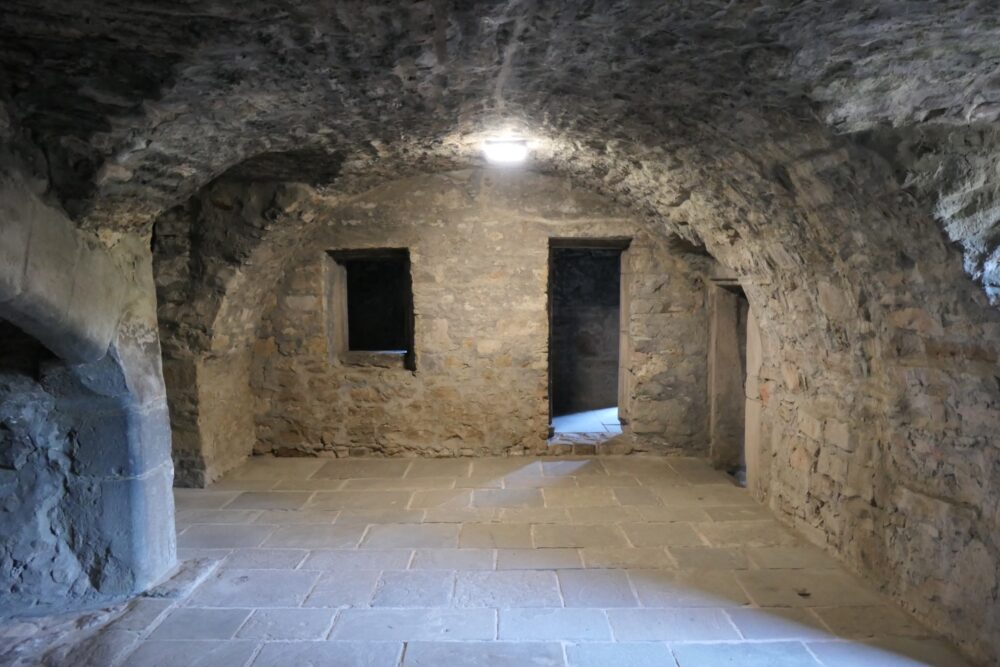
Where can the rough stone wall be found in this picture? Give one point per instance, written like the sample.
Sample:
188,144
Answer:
207,381
878,389
85,470
584,302
65,488
955,172
479,251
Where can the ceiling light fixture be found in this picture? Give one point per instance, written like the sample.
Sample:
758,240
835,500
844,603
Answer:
506,151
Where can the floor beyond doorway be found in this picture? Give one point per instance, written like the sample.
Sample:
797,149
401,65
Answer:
579,562
604,420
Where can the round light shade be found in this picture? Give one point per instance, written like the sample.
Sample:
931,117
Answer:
506,151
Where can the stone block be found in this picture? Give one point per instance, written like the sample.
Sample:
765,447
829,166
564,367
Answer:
16,215
810,426
838,434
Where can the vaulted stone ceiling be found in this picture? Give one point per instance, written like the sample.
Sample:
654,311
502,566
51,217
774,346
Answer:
137,105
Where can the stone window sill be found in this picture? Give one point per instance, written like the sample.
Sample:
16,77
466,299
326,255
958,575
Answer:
377,358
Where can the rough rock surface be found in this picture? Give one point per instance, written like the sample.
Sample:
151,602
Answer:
85,466
296,88
732,124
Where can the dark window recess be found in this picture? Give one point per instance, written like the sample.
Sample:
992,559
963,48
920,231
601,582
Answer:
373,292
378,304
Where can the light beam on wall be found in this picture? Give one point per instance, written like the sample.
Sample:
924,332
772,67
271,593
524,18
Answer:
506,151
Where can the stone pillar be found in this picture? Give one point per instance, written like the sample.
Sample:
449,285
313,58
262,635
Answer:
85,470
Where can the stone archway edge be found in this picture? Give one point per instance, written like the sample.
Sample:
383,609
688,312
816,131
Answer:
56,284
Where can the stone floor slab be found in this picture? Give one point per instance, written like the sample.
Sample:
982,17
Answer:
439,467
534,515
188,623
508,467
413,625
771,654
188,517
453,559
687,588
360,500
644,654
368,517
254,588
512,588
492,654
866,622
398,484
704,495
329,654
553,624
411,536
573,467
357,468
771,623
597,496
343,560
219,536
202,499
265,559
671,625
805,588
629,496
661,534
308,485
600,515
441,498
746,534
343,588
673,513
790,558
288,624
538,559
191,653
740,513
268,467
709,558
893,652
495,536
650,558
596,588
308,536
507,498
577,537
269,500
288,518
610,480
414,588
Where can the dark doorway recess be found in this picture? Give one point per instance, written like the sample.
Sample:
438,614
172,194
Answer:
727,366
584,332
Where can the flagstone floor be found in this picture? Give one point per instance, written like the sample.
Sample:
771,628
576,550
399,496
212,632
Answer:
609,561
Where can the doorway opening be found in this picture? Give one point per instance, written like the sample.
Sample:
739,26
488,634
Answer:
586,335
727,385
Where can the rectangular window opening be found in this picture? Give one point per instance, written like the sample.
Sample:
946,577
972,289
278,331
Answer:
370,306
